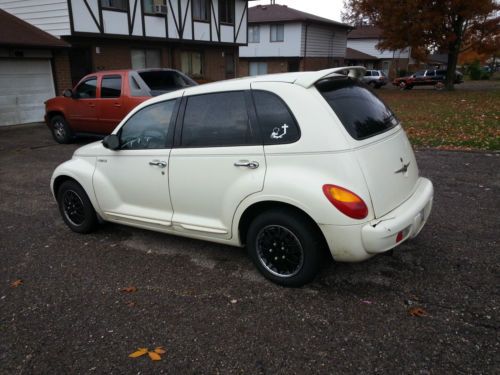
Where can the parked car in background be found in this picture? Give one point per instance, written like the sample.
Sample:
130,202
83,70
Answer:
375,78
101,100
433,77
243,162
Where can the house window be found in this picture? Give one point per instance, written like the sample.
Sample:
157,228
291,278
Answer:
191,63
115,4
254,34
277,33
226,11
201,10
149,6
145,58
258,68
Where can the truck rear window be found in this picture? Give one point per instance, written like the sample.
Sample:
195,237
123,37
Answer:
360,111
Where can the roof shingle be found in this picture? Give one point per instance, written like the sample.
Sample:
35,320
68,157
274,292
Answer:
16,32
365,32
282,13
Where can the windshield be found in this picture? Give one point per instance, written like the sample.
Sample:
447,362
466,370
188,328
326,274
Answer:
164,80
360,111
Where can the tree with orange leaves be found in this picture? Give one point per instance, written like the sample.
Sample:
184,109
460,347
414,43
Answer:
425,25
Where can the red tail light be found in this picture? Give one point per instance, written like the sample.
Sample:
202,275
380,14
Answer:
346,201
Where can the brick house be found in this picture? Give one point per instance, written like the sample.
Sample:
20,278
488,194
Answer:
199,37
362,50
283,39
27,58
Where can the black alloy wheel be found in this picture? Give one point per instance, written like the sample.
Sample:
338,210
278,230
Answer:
75,207
285,246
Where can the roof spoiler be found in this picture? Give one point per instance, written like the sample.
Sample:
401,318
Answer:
310,78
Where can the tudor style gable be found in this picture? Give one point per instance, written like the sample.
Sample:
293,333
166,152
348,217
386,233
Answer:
215,21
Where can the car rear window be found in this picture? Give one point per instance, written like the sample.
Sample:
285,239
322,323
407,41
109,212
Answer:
163,81
360,111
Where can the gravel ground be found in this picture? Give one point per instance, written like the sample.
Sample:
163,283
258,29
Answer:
213,313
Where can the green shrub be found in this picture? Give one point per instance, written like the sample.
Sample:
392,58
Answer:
474,71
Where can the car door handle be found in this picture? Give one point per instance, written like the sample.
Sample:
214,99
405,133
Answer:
246,163
91,105
117,105
158,163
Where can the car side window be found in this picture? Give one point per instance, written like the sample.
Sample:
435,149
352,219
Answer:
111,87
148,128
219,119
368,73
87,89
276,122
430,73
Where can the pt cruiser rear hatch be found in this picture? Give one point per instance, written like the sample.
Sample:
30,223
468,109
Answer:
379,142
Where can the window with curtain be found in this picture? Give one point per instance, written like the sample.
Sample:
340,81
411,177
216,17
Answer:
115,4
226,11
277,33
201,10
145,58
254,34
191,63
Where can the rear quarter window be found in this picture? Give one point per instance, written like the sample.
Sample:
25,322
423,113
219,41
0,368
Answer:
362,113
277,124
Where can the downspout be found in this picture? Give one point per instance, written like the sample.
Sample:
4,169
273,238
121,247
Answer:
305,48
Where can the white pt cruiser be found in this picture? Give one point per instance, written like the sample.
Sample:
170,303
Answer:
287,165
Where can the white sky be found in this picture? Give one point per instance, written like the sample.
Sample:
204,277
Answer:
323,8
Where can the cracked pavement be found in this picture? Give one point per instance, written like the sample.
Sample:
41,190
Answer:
214,313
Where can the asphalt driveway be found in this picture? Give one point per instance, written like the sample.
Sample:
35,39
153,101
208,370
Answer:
211,310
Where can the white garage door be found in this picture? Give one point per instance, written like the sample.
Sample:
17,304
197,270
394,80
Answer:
24,86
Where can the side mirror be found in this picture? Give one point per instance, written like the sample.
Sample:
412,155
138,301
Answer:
68,93
111,141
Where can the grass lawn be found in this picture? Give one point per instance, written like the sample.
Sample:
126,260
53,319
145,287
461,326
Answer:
461,119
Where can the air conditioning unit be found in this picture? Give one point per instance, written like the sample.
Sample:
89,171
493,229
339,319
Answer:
160,9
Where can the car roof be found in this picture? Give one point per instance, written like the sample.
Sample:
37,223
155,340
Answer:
305,79
121,71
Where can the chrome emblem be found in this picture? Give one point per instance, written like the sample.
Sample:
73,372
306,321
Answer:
404,168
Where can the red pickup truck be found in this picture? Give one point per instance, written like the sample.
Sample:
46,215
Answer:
101,100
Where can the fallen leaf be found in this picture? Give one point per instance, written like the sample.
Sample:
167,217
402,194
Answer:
130,303
16,283
160,350
154,356
233,301
417,311
138,353
129,289
366,302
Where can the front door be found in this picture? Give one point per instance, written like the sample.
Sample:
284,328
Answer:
132,184
218,163
111,106
82,109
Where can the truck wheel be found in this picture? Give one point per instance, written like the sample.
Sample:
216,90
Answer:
285,247
60,129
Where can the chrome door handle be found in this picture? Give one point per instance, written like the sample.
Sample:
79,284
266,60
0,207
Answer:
246,163
158,163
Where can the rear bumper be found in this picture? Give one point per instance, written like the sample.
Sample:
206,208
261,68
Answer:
359,242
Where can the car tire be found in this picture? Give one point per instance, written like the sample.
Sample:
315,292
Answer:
75,208
60,129
439,86
285,247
